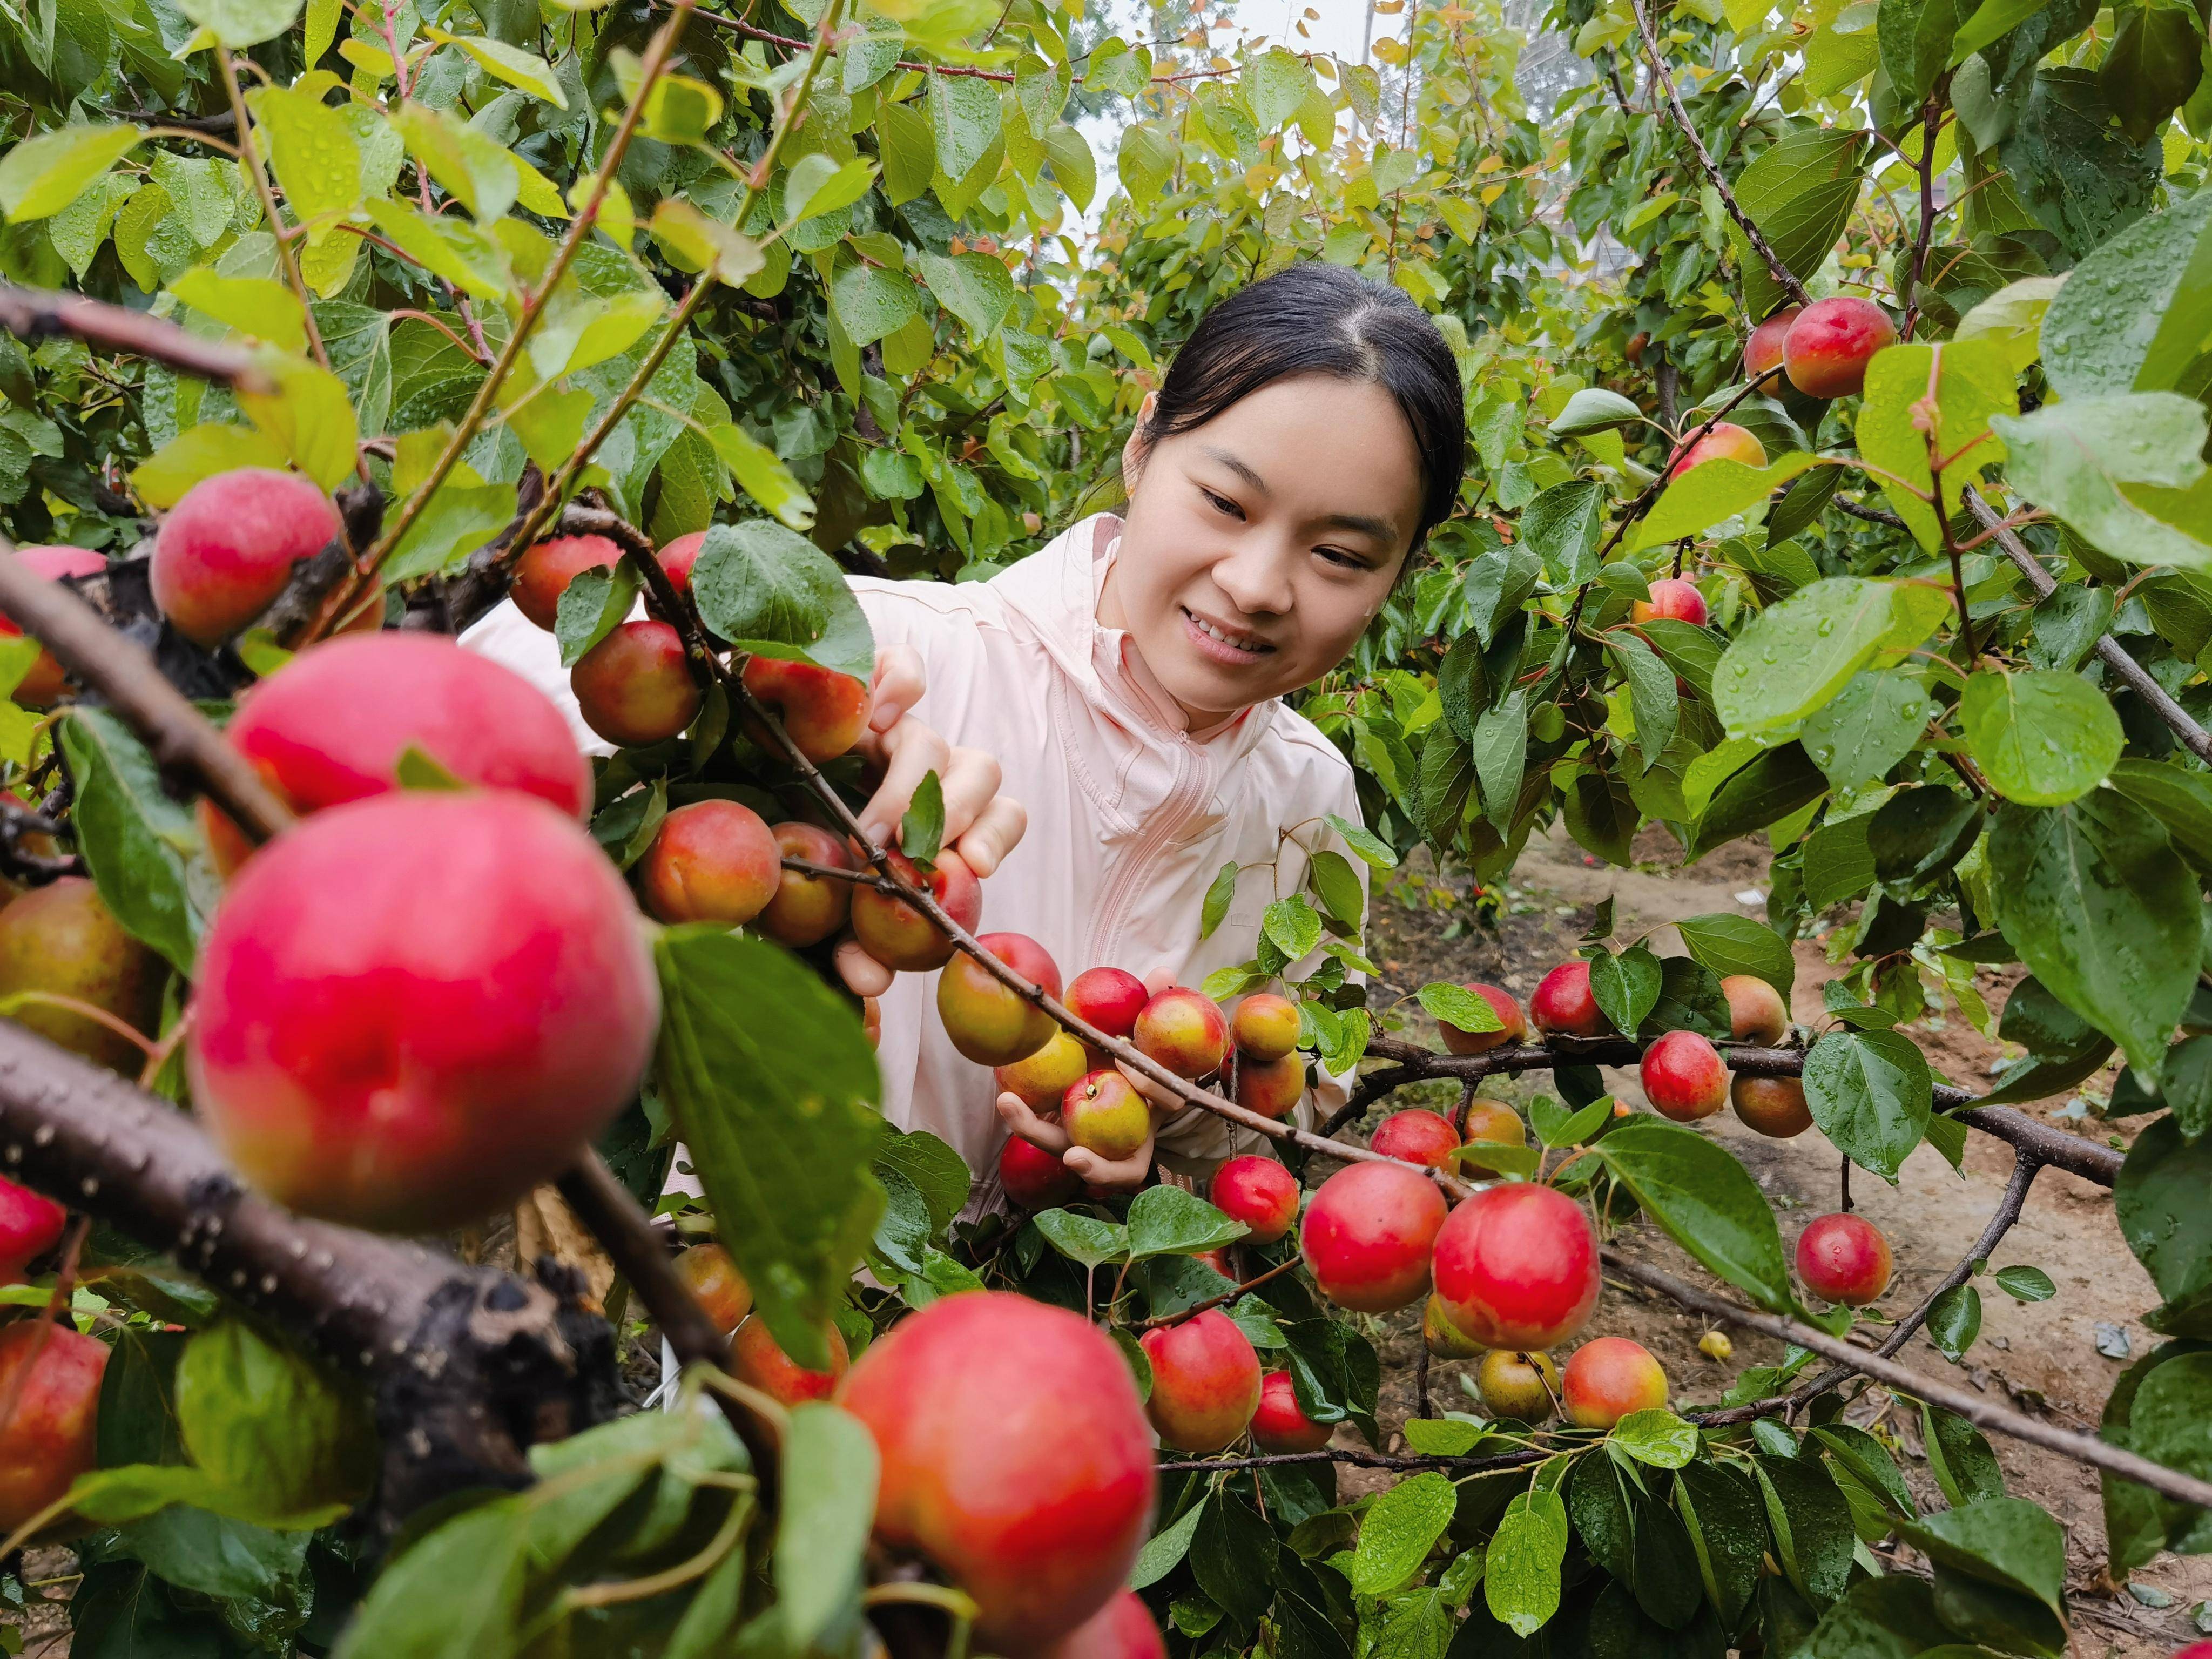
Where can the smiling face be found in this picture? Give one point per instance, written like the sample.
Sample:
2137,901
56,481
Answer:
1257,546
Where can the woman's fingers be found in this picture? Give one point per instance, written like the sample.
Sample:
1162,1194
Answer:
863,975
896,686
1158,980
910,752
997,830
1015,1114
1121,1174
1164,1100
970,782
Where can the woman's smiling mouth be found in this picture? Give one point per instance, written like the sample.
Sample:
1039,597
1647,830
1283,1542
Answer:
1226,646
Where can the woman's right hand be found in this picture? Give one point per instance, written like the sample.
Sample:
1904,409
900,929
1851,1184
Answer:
1118,1174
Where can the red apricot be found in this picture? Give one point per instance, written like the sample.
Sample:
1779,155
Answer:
413,1009
1016,1457
1772,1105
1445,1340
987,1022
1756,1011
806,910
1205,1381
51,1374
1844,1258
62,940
1368,1234
899,935
1523,1384
821,711
1271,1089
713,860
1280,1425
1034,1179
635,687
758,1359
680,555
1673,599
1683,1077
1265,1026
1827,349
44,680
544,572
1108,999
224,552
1122,1629
1563,1005
1258,1192
1184,1031
1727,442
29,1224
1516,1266
1762,350
1608,1378
710,1274
1511,1024
1495,1122
1105,1114
1417,1137
1043,1078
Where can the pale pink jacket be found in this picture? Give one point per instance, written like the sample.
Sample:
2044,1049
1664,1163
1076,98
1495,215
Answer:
1130,815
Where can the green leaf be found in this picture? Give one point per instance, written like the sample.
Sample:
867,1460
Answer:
1796,656
1083,1239
2008,1543
1521,1567
2072,163
771,592
2043,737
1727,1524
309,415
1990,21
1914,37
974,287
2024,1284
1233,1558
44,173
1657,1437
464,515
774,1088
201,452
593,605
1775,785
871,301
259,1420
240,23
1811,1523
311,147
829,1503
1336,884
1887,1618
2159,1200
1626,987
907,150
257,306
141,844
2124,471
2133,315
1871,1094
516,67
1737,945
1400,1529
1595,409
466,164
761,473
964,115
1454,1004
1370,847
1292,925
1869,726
1560,527
1168,1221
1800,192
1705,494
1706,1201
2103,912
1954,1320
1220,894
922,827
1146,157
1164,1550
1651,698
2180,798
1972,382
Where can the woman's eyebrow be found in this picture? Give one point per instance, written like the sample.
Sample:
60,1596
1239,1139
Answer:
1242,469
1359,523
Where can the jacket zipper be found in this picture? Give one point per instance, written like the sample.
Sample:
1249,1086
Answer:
1183,797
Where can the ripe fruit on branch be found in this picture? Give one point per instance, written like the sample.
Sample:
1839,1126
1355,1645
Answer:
1727,442
1417,1137
1497,1122
758,1359
411,1010
1772,1105
1609,1377
1016,1457
1762,351
678,556
1205,1381
1563,1005
52,1375
1516,1266
544,572
44,680
713,860
1756,1011
1683,1077
635,687
1672,598
1827,349
1279,1424
1368,1234
899,935
1844,1258
1258,1192
1271,1088
710,1274
1108,999
1034,1179
807,909
62,940
989,1023
29,1224
1184,1031
1519,1383
1122,1629
1445,1340
1512,1026
1265,1026
1105,1114
224,552
1043,1078
821,711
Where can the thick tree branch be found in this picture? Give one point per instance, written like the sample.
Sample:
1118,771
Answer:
33,314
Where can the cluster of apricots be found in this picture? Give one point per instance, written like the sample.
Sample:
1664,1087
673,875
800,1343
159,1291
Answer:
1823,348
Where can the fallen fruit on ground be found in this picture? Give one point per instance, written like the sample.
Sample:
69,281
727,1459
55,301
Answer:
759,1361
45,680
1417,1137
1517,1382
544,572
1279,1424
1772,1105
1683,1077
807,909
413,1009
821,711
1108,997
901,937
1034,1179
1265,1026
62,940
988,1022
1016,1457
1368,1233
1104,1114
1756,1011
1271,1088
1828,347
1184,1031
1205,1381
1517,1267
635,687
1495,1122
226,549
1043,1079
710,1275
1608,1378
1512,1024
1258,1192
1563,1005
713,860
1844,1258
51,1373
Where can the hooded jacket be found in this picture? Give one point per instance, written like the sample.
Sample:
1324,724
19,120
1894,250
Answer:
1131,816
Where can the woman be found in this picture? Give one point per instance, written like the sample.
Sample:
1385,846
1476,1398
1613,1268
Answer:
1306,438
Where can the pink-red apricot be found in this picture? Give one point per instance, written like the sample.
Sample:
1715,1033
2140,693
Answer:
758,1359
1273,1087
1205,1381
1043,1079
1672,598
1122,1629
1416,1137
1563,1005
1184,1031
987,1022
1034,1179
1016,1457
1445,1340
1844,1258
1368,1234
224,552
821,711
807,909
1683,1077
680,555
544,572
899,935
1521,1384
1265,1026
1518,1268
1512,1026
1756,1011
635,687
713,1278
1608,1378
713,860
44,680
1827,349
53,1376
1280,1425
413,1009
1773,1106
1108,997
1258,1192
62,940
1105,1114
1727,442
30,1223
1762,349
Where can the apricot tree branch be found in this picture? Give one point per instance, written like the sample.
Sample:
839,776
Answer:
34,314
1361,1460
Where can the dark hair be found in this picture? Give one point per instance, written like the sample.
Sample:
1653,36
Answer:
1313,318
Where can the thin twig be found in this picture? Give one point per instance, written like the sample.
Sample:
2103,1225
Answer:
33,314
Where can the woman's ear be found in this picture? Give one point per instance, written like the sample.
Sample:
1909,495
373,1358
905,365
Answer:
1135,448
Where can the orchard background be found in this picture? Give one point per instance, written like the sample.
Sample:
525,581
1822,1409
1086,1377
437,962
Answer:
844,287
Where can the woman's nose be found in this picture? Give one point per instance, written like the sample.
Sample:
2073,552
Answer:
1256,577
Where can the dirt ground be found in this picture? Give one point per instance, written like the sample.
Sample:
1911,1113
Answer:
2044,1356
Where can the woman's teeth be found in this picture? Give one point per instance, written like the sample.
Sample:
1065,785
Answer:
1235,642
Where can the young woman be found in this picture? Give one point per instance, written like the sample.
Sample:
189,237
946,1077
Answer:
1126,677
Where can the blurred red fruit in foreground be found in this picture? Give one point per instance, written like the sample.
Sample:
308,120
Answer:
1516,1266
757,1359
62,940
52,1375
1368,1233
224,552
44,680
1122,1629
29,1225
710,1274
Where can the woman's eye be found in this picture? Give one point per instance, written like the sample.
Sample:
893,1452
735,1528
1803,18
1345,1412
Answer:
1221,503
1337,555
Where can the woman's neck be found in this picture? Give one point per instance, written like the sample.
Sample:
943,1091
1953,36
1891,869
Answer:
1198,723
